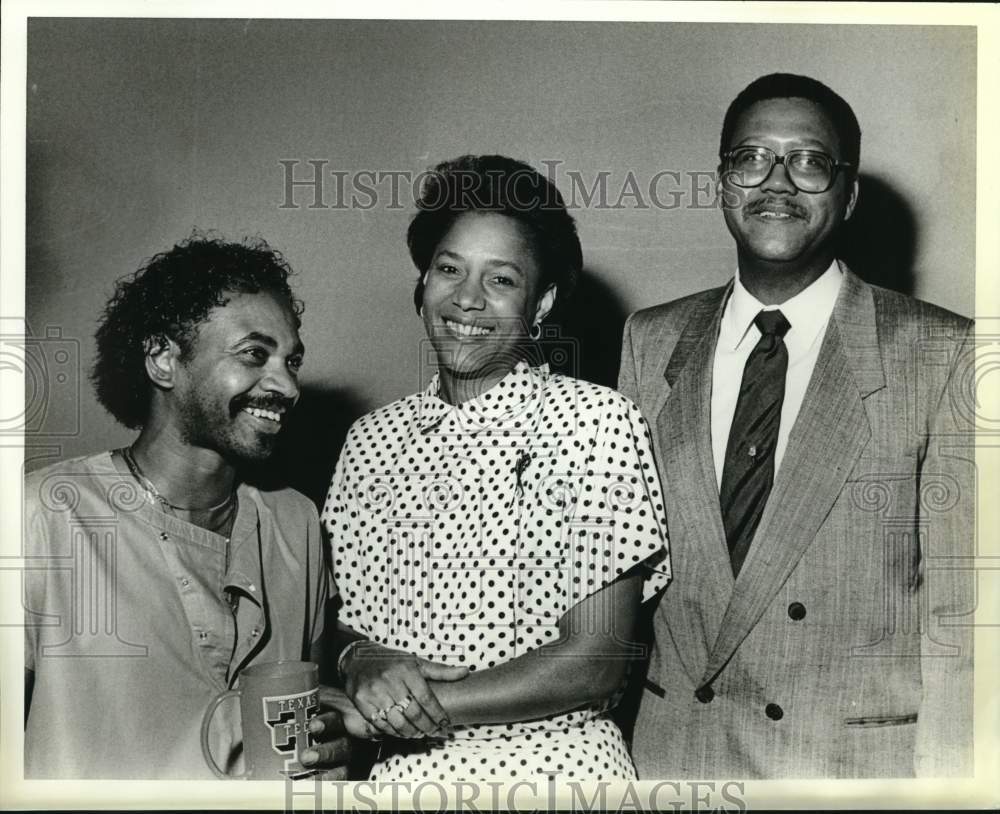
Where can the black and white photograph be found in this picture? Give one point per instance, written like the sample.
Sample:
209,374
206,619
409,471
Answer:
577,406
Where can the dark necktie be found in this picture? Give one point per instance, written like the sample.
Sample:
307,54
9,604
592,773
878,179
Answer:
748,471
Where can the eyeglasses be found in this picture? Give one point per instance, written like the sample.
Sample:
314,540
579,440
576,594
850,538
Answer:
810,171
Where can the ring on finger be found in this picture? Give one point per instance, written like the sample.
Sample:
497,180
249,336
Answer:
381,715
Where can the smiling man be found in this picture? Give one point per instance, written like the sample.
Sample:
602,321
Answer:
818,484
161,575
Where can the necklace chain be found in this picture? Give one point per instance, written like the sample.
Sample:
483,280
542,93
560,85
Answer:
154,496
229,505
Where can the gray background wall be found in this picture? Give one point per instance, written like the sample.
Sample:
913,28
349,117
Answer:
140,130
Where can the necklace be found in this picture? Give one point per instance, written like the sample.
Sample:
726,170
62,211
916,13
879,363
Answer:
217,518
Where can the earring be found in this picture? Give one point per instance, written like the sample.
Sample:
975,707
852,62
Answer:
535,332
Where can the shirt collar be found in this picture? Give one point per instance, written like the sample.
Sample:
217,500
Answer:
505,398
245,568
807,312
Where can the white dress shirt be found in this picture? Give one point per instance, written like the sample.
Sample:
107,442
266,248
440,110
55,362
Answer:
808,312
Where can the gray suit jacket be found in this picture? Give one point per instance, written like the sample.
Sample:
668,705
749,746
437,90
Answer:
844,647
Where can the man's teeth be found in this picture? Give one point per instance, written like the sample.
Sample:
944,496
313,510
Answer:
466,330
767,213
256,411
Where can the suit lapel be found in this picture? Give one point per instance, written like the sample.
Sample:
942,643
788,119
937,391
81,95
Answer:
683,428
830,432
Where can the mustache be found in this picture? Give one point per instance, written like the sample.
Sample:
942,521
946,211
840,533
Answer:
778,204
272,403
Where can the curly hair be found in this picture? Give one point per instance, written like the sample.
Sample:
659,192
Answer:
793,86
495,183
167,298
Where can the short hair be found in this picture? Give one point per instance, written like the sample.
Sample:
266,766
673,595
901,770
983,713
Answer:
169,297
495,183
793,86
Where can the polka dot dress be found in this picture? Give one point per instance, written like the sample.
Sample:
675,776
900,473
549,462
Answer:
462,534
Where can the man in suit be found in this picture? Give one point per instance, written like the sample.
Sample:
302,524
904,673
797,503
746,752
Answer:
814,440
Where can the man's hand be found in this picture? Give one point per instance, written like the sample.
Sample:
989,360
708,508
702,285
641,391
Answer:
379,678
342,717
332,749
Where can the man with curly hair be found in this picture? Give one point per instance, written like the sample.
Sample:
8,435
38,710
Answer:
178,573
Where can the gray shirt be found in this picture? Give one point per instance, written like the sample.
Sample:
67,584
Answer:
128,627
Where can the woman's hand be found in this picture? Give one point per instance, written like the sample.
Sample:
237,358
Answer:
389,688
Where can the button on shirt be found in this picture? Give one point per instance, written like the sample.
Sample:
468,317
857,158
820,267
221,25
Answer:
197,557
808,312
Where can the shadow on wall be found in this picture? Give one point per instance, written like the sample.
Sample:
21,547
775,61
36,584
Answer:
310,445
585,338
879,242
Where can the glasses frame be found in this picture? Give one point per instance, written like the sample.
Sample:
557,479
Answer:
780,159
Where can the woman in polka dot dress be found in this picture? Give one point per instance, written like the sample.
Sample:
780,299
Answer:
494,535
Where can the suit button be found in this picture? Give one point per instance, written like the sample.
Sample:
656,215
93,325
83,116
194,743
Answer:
774,712
704,694
797,611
